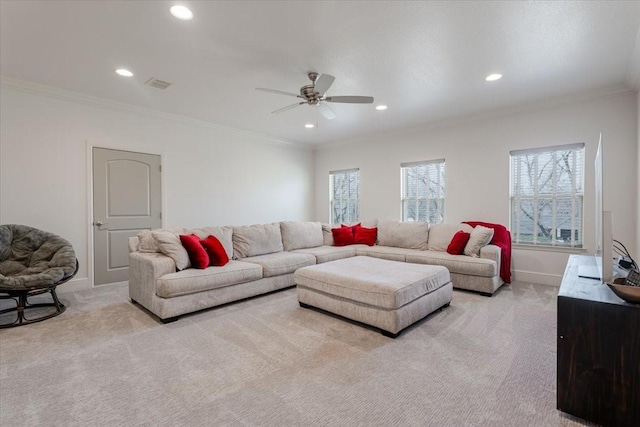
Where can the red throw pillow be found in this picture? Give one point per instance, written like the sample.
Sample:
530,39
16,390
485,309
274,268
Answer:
352,227
365,236
217,255
342,236
458,242
198,256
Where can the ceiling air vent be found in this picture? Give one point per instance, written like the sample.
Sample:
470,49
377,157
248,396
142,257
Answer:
157,83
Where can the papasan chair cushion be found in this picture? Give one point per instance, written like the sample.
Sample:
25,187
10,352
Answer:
32,262
33,259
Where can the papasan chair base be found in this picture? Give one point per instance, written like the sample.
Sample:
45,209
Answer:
21,298
32,262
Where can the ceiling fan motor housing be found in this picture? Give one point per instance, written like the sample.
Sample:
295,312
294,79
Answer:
309,93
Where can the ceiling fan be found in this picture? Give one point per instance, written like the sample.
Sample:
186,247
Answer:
314,94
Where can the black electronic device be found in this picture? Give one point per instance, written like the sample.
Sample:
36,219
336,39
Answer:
633,278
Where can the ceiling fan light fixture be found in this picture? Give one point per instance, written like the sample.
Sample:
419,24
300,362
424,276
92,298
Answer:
493,77
309,125
381,107
124,72
181,12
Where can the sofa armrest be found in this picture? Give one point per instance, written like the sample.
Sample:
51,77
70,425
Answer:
145,268
492,252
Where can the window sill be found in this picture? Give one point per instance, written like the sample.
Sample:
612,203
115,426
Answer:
566,250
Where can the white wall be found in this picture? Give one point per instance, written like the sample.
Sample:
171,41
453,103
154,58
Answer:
212,175
477,174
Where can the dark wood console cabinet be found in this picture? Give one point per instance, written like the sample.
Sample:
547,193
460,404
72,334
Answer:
598,351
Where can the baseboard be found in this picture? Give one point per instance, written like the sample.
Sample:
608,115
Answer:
79,284
536,277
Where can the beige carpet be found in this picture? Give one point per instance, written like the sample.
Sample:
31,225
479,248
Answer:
268,362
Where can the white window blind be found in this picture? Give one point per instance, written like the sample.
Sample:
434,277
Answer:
423,191
547,192
344,194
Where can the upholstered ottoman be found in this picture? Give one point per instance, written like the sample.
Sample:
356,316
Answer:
389,295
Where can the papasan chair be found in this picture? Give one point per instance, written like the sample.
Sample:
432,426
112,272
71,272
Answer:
32,262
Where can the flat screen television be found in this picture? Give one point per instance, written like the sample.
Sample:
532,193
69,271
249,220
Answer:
603,269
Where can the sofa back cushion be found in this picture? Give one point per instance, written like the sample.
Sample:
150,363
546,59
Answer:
223,234
259,239
327,235
440,235
409,235
300,235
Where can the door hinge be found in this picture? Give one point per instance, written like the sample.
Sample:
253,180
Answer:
160,167
160,215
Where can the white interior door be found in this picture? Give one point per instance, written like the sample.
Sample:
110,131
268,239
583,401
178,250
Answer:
126,200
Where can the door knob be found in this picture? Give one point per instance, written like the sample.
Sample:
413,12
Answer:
99,223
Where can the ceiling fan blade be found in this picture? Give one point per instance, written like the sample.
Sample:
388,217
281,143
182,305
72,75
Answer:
350,99
323,83
279,92
326,112
288,107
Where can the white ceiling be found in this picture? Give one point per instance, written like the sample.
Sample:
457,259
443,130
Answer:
426,60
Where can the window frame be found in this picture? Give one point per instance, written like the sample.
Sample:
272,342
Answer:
405,200
540,199
350,200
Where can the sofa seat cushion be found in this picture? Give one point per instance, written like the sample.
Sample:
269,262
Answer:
379,283
281,263
193,280
385,252
328,253
460,264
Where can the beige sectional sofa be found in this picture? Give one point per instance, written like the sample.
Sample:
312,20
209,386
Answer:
264,257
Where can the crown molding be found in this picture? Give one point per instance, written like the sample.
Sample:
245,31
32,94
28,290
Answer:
107,104
517,110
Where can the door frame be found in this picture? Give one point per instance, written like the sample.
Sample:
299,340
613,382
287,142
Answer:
163,202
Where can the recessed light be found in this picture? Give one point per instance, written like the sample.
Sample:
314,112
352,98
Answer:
123,72
493,77
309,125
181,12
381,107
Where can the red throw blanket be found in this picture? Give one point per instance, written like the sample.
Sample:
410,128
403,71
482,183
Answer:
502,239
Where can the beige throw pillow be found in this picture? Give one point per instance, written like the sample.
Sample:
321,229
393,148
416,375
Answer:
149,244
480,237
170,245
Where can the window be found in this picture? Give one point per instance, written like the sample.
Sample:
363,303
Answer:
547,191
423,191
344,194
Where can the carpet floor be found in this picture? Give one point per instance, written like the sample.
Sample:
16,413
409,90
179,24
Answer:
267,362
